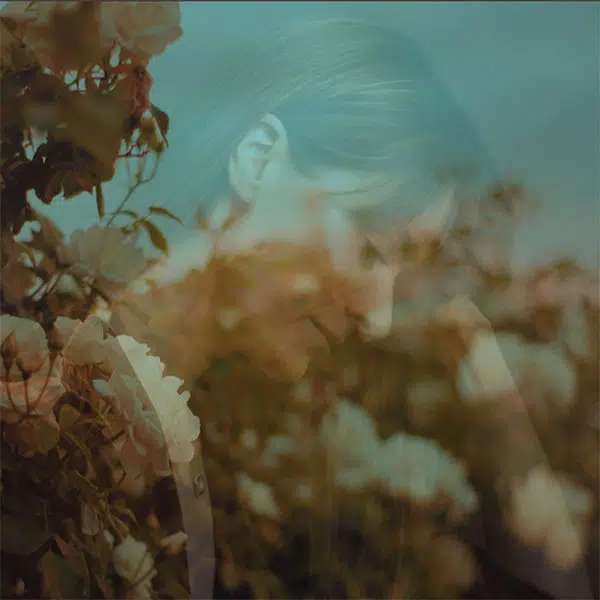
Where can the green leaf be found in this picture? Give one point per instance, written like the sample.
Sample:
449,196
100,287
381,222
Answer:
95,122
159,210
59,578
71,185
83,484
162,119
159,241
68,416
76,559
100,201
47,435
82,447
21,535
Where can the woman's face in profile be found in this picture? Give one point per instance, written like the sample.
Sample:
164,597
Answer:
289,204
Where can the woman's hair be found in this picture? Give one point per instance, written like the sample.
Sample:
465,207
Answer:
351,94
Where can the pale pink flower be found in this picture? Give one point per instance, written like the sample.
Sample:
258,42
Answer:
62,35
25,341
350,439
37,395
134,563
143,29
174,543
258,496
82,342
160,423
34,398
550,512
278,446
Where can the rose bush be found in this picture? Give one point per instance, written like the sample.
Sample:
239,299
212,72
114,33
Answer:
81,428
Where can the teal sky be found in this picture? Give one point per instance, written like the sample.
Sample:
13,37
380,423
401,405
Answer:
527,75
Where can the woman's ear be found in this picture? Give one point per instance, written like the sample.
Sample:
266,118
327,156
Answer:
263,144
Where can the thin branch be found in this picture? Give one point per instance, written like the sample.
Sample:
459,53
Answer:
131,191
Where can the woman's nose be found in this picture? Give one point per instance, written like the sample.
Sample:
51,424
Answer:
378,322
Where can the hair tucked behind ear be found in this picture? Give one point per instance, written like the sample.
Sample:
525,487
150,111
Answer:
351,95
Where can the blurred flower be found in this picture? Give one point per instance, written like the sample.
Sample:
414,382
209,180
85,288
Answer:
142,29
550,512
106,254
302,391
500,364
350,439
249,439
258,496
419,469
25,341
102,310
174,543
277,446
134,563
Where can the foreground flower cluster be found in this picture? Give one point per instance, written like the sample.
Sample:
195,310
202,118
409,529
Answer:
106,395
